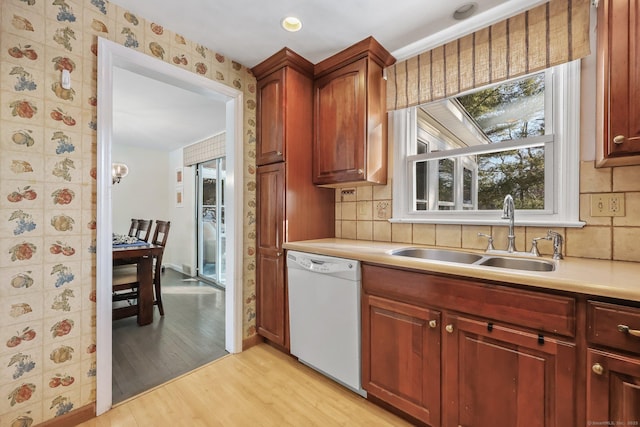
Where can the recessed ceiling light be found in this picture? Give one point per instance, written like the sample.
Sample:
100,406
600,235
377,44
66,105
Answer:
292,24
465,11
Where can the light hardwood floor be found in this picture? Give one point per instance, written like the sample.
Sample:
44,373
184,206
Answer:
258,387
189,335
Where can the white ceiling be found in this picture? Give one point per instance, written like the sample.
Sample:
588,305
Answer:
249,31
156,115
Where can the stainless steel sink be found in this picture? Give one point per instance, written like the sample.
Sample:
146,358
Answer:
439,255
487,260
518,264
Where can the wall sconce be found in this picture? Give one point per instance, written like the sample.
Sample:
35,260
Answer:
65,79
118,171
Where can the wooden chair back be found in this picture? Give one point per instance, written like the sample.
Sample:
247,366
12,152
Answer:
140,228
161,233
133,229
160,236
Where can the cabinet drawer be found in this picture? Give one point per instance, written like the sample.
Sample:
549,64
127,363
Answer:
539,311
607,325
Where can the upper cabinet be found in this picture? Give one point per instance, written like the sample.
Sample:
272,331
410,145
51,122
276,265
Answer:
350,116
618,79
281,121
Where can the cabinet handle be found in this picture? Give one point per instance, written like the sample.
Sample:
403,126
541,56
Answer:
627,330
597,369
618,139
449,328
433,324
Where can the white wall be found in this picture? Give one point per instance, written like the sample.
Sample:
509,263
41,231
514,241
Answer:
143,193
148,192
183,220
588,98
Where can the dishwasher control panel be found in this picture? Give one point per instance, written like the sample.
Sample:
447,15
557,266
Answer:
320,264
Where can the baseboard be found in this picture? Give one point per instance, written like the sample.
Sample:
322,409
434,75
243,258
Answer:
251,341
174,267
73,418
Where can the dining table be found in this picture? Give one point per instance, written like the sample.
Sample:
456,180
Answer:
142,255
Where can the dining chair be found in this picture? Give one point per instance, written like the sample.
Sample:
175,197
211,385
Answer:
160,236
140,228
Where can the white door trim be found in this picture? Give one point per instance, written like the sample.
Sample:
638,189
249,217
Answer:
111,55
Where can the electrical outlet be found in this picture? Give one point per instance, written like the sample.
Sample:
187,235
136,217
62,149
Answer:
607,204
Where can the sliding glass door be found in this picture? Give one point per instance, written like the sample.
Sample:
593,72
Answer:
211,229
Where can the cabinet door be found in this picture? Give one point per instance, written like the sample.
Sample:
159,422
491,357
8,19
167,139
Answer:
619,80
271,118
270,267
498,376
401,356
340,125
613,389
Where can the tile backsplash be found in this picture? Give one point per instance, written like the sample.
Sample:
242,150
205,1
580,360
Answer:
364,215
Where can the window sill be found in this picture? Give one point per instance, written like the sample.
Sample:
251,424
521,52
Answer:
498,222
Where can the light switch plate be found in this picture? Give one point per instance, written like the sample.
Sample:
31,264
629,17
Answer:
607,204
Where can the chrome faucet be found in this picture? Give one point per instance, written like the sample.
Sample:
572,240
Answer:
508,212
557,243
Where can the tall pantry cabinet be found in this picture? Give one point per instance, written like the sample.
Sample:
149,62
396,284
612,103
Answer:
289,206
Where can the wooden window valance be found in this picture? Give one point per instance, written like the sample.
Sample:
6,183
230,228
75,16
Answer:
550,34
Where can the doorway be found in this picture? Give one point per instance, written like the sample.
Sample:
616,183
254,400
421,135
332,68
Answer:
110,56
211,177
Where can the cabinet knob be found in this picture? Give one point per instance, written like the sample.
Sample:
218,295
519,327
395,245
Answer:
449,328
279,153
597,369
433,324
627,330
618,139
279,254
360,171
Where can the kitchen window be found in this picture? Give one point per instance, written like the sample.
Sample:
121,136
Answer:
457,158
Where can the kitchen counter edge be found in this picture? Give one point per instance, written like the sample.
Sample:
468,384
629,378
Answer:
604,278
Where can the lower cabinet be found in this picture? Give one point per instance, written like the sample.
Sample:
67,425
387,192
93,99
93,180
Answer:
447,355
271,298
613,389
496,375
613,364
401,354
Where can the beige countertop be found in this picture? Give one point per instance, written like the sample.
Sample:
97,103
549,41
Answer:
615,279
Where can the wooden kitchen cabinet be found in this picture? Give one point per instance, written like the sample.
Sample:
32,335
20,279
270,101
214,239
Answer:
613,389
350,116
500,375
288,206
618,82
270,261
401,356
613,364
497,355
285,103
271,109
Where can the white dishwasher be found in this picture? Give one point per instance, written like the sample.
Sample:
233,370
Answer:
324,315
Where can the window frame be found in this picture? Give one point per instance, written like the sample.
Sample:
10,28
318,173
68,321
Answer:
561,199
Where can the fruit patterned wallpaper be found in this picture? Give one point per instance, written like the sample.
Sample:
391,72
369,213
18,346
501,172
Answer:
48,192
